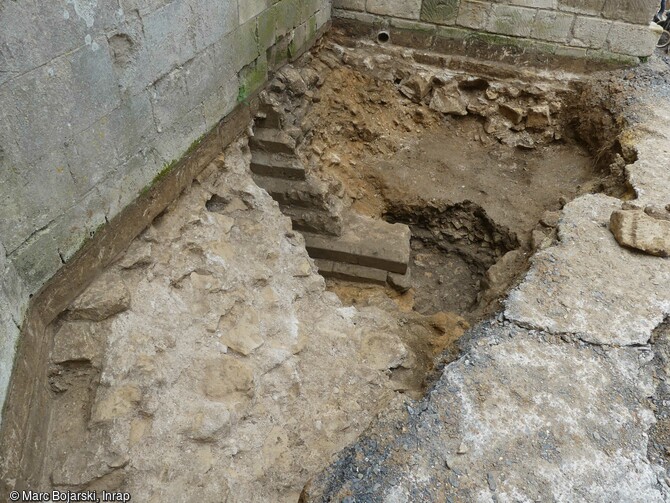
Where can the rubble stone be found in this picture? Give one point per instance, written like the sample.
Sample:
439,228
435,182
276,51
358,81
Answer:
636,229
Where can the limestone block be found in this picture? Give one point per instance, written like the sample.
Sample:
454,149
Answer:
172,142
251,8
511,20
590,32
538,117
439,11
590,7
631,11
35,33
538,4
349,4
77,342
110,141
409,9
213,20
383,351
33,195
244,44
45,106
221,101
473,15
106,297
636,229
633,40
448,100
167,43
553,26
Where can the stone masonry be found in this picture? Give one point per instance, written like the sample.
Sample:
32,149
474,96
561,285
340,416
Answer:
97,98
593,29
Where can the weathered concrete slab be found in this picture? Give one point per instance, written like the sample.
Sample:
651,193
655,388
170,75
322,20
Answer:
588,285
517,418
366,242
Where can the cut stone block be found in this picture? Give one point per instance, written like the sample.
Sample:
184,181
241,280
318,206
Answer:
400,282
636,229
315,221
272,140
366,242
301,193
350,272
106,297
277,165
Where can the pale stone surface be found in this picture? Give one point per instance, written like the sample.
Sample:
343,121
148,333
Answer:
590,32
349,4
590,286
233,367
410,9
633,40
448,100
635,229
97,97
107,296
77,342
516,418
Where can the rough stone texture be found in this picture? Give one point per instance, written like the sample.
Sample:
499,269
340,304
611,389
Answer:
409,9
590,286
516,418
562,397
235,391
366,242
439,11
614,30
106,297
97,97
637,230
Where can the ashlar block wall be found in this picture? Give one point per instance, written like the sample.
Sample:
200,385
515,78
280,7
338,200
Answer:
97,97
597,29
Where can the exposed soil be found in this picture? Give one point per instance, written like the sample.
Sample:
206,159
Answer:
168,376
473,184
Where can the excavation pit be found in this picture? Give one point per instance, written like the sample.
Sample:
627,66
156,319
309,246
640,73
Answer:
419,190
476,159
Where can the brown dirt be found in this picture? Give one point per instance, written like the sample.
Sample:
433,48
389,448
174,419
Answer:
468,193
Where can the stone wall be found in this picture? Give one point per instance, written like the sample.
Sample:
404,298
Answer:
594,29
99,97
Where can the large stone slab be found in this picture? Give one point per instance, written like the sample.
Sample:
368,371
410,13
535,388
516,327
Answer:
366,242
517,418
588,285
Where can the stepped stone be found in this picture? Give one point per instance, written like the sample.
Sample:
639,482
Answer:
365,242
303,193
636,229
351,272
273,141
277,165
315,221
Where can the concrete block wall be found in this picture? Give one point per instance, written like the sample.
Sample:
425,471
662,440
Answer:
596,29
97,97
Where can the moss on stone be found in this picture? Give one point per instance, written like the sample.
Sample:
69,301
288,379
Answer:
252,77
